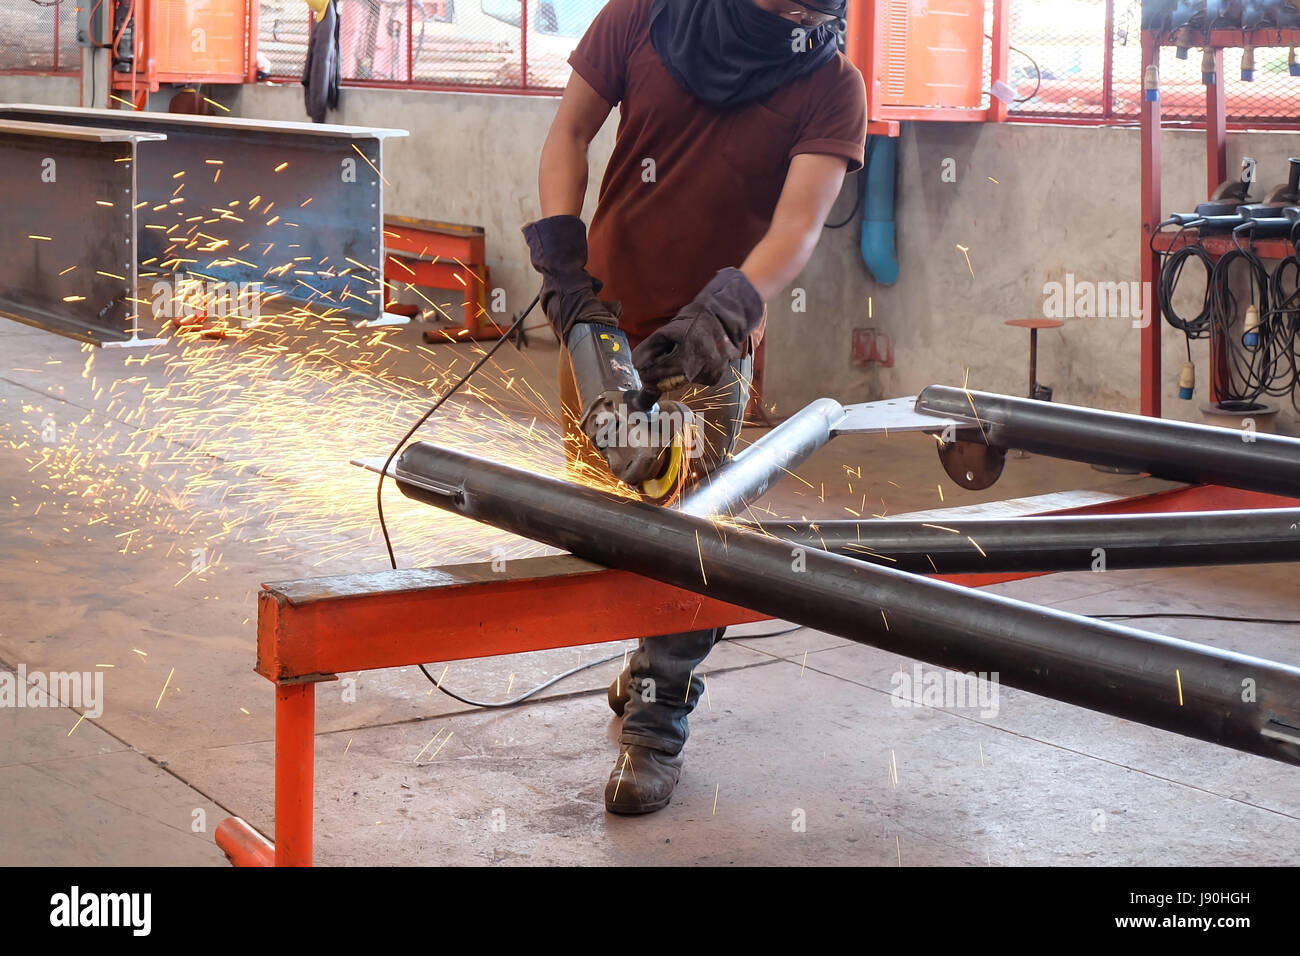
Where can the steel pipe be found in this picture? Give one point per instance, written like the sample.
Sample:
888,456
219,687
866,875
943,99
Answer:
1221,696
750,473
1178,451
1055,543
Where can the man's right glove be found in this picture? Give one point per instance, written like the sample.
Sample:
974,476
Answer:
558,245
706,336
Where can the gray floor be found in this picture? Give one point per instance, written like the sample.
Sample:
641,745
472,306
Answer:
137,535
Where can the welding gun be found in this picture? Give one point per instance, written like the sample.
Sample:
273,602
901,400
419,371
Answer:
647,442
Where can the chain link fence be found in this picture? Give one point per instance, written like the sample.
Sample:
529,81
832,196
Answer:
453,43
39,36
1060,68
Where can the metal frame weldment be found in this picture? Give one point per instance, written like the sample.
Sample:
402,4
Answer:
699,566
319,210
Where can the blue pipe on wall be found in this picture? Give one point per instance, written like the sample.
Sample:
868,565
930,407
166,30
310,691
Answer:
879,251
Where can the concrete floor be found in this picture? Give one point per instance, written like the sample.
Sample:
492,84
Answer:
798,755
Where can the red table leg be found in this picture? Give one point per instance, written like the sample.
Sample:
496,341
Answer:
295,743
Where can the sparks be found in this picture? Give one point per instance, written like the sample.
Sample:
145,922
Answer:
164,690
965,251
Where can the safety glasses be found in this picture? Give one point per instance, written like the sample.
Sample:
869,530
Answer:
810,16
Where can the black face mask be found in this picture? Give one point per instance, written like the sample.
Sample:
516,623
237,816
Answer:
731,52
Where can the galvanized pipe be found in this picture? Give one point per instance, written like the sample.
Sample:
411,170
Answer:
755,469
1221,696
1178,451
1055,543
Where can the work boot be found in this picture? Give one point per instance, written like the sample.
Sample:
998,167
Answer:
642,780
619,691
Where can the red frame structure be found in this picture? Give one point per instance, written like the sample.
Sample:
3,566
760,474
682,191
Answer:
310,631
442,255
1216,172
144,32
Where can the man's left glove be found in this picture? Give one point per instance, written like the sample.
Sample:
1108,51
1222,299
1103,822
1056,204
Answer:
705,337
558,246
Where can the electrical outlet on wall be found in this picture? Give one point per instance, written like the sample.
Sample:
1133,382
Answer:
872,347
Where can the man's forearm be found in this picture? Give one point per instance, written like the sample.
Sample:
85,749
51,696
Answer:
779,257
562,175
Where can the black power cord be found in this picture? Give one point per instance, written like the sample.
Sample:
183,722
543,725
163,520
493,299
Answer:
1257,361
514,701
861,199
379,489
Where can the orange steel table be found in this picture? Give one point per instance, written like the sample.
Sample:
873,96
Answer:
309,631
442,255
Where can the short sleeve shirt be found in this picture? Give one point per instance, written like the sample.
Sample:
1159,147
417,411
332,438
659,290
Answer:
690,189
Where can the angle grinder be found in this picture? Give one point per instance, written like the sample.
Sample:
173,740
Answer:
648,443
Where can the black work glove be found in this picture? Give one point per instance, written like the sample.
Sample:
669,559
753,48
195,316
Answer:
558,245
706,336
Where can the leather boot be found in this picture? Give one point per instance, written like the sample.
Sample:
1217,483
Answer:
619,692
642,780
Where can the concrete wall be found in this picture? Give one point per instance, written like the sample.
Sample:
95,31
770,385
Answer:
1030,204
48,90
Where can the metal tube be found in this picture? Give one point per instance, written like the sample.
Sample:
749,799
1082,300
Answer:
1178,451
1055,543
295,772
1161,681
750,473
242,844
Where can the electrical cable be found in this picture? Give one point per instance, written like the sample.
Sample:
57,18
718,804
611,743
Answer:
1197,617
858,203
1038,73
514,701
1246,362
379,490
575,670
1171,273
1245,365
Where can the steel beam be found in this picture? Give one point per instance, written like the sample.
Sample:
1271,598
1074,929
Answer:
1055,543
314,235
68,246
1177,451
1160,681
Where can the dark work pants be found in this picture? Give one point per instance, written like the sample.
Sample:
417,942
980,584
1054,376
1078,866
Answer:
665,687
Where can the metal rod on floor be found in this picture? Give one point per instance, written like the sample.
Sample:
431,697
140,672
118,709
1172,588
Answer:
751,472
1221,696
1055,543
1178,451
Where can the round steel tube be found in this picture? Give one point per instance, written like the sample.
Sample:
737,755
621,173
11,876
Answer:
1055,543
1178,451
750,473
1161,681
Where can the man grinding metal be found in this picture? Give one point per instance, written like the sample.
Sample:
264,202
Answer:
738,121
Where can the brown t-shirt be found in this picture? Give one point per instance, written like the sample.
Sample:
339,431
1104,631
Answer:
662,229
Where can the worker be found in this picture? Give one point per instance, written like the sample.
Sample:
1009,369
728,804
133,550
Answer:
738,122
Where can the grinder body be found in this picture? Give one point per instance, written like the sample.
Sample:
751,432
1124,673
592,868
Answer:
647,443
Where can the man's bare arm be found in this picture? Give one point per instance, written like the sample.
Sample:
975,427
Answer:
811,185
562,175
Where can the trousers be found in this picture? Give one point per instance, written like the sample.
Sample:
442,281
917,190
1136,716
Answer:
664,686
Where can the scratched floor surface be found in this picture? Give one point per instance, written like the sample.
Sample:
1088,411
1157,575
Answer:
137,536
